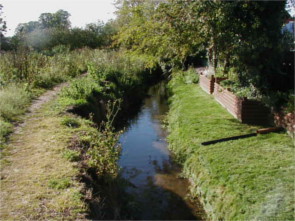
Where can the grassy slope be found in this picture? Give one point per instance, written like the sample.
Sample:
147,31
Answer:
39,178
244,179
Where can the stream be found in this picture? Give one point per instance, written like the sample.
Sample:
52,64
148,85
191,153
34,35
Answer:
155,183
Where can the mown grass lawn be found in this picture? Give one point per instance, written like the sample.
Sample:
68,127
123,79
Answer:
244,179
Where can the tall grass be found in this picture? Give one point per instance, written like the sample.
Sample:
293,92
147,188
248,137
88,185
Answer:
111,75
24,74
13,100
39,70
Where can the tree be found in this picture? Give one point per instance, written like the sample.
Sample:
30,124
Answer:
161,31
24,28
59,19
245,35
2,22
3,27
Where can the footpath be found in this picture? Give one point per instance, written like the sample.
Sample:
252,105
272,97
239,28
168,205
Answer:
37,181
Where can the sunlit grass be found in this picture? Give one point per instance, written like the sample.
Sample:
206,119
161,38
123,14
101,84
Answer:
13,100
243,179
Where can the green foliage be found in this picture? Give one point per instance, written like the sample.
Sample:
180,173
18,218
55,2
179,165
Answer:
244,179
249,92
54,29
13,101
243,37
71,155
81,89
104,153
59,184
5,129
24,74
280,101
111,76
191,77
40,70
160,31
3,27
70,122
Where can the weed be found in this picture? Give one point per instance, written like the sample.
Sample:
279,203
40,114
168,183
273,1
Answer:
104,153
71,155
59,184
70,122
5,129
13,101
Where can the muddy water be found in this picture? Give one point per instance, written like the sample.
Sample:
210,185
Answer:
146,163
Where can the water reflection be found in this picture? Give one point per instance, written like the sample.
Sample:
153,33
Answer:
147,165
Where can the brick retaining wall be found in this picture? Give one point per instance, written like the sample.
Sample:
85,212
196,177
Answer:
247,111
228,100
206,84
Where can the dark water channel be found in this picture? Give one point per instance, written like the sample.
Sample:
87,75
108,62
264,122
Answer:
147,164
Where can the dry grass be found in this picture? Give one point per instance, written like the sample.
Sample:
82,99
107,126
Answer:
34,161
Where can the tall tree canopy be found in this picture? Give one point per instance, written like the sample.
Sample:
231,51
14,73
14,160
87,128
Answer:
245,35
2,22
3,27
54,29
59,19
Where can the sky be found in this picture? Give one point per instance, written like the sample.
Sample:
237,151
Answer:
82,11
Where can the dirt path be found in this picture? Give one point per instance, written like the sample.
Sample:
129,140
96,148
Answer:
38,103
34,167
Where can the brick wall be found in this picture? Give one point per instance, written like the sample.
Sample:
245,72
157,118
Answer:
206,84
247,111
286,121
228,100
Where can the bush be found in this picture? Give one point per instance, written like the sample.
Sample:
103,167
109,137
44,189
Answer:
81,88
5,129
71,155
191,76
13,101
40,70
60,184
70,122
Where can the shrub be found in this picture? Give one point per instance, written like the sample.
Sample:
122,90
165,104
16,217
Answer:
60,184
71,155
191,77
70,122
5,129
81,88
13,101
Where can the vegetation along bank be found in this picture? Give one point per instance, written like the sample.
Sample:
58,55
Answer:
244,179
59,159
66,150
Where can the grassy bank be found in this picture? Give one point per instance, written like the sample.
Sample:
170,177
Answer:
24,75
246,179
62,162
